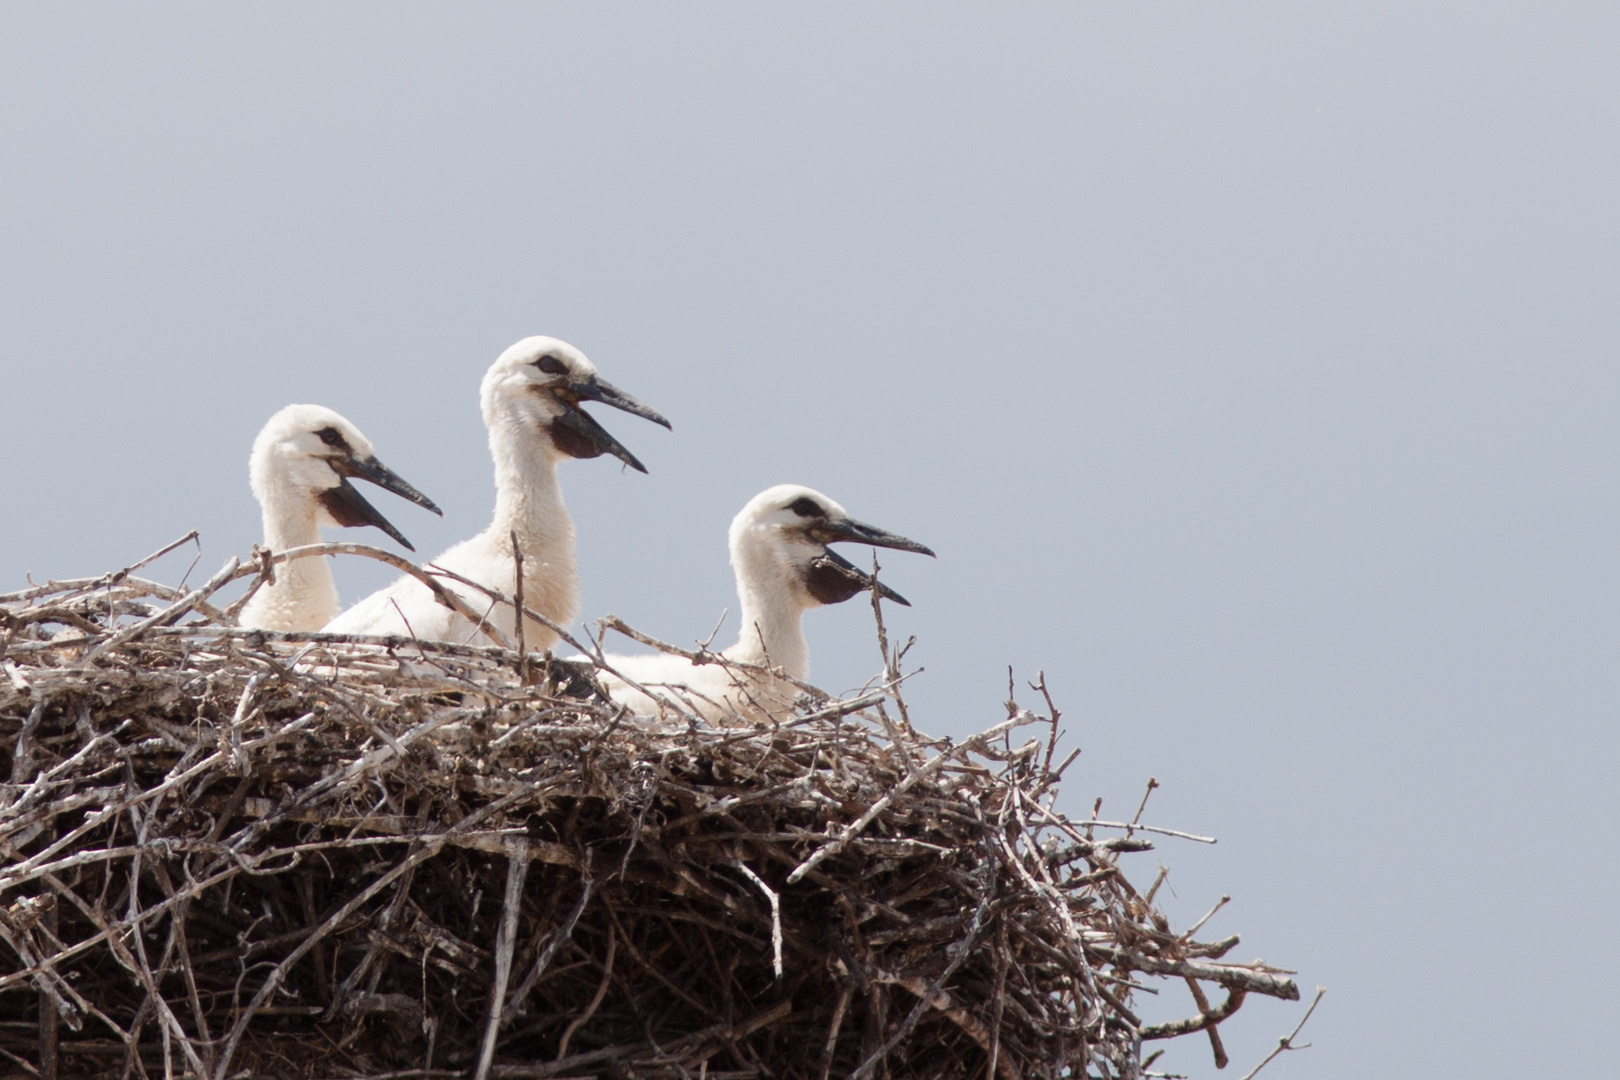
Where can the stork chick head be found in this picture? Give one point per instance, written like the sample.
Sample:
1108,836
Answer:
779,542
307,453
541,382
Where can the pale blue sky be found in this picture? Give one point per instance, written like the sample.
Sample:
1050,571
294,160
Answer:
1252,368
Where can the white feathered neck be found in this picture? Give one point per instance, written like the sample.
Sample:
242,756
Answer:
529,502
772,602
304,596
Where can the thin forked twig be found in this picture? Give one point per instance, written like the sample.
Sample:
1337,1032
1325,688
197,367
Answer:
1287,1041
505,940
517,602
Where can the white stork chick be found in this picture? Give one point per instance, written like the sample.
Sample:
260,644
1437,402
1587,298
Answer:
299,471
531,399
784,568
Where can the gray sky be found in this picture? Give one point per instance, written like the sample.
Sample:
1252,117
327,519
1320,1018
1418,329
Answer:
1251,367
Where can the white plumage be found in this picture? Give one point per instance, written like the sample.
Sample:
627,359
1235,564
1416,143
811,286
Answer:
784,568
531,400
299,472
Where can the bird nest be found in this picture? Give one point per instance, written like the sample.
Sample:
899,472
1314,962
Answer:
235,853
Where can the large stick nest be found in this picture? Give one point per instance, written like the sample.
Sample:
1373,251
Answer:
231,853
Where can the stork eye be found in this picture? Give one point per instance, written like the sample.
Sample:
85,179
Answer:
551,365
806,507
332,437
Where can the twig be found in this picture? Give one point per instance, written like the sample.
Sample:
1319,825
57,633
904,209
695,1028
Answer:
959,954
844,993
1234,998
596,999
1206,1019
117,576
613,622
543,960
703,646
932,765
1151,784
1132,826
517,868
1229,975
776,915
168,615
1208,915
444,596
1054,715
414,639
48,1046
517,602
261,559
1287,1041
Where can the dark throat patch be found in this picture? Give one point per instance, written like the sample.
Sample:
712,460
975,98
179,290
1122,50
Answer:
831,580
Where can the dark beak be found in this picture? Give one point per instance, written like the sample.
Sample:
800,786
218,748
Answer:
831,532
578,434
834,579
377,473
594,389
349,508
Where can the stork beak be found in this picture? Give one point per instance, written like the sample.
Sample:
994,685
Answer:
578,434
350,509
376,472
861,533
595,389
834,579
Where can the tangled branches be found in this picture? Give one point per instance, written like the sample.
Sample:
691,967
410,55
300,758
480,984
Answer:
233,853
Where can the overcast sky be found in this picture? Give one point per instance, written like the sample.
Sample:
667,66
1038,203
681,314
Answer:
1252,368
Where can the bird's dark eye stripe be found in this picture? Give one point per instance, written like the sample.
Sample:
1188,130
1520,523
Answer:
551,365
805,506
332,437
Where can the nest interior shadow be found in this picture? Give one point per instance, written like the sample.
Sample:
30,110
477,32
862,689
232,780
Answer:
233,853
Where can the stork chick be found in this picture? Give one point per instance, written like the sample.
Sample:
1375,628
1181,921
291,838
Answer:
299,471
784,568
531,398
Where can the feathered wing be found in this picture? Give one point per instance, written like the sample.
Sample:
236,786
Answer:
408,601
672,681
713,691
481,559
397,609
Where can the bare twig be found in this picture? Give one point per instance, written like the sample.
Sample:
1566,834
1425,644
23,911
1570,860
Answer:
958,954
505,939
541,962
517,602
933,765
1287,1041
596,999
776,915
1208,915
444,596
1151,784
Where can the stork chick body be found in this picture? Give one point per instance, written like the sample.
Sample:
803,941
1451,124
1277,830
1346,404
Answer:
530,399
784,568
299,471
